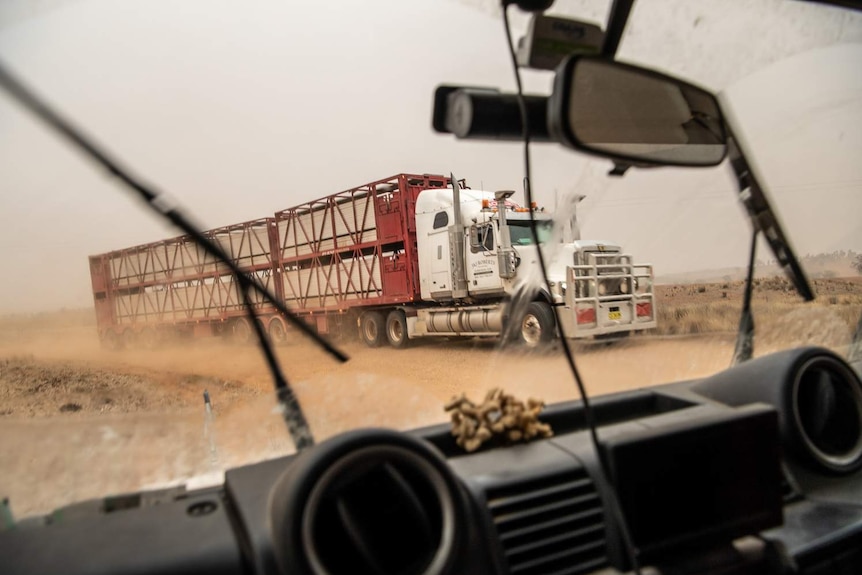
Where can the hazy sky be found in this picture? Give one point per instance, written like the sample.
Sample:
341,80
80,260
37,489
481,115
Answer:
241,109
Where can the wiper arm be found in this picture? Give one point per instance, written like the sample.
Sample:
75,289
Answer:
296,423
744,348
763,217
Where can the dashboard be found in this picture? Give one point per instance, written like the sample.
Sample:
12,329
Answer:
757,469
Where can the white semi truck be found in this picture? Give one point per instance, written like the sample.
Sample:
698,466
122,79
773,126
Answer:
476,251
404,257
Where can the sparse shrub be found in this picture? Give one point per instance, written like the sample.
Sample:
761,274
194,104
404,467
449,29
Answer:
701,289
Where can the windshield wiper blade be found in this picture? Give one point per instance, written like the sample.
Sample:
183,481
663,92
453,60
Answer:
296,422
763,217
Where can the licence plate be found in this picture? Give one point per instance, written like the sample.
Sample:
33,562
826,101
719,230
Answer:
615,313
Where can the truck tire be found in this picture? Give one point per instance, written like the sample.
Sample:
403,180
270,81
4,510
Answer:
536,327
148,339
130,339
396,329
240,331
277,331
372,328
111,341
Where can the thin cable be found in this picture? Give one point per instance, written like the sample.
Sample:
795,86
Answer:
291,410
570,359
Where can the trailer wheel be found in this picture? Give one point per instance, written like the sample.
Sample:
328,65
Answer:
111,341
240,331
130,339
277,331
371,326
537,325
148,338
396,329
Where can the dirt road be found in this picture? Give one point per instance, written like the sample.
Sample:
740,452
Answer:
78,422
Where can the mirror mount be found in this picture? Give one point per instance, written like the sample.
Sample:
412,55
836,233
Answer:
620,168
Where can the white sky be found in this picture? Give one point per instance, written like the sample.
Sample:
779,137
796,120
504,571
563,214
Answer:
241,109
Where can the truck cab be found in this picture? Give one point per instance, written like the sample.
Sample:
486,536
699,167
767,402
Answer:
483,244
481,250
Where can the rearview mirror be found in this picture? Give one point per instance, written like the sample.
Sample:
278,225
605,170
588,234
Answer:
634,115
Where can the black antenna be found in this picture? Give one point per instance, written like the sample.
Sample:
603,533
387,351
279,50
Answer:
613,499
291,410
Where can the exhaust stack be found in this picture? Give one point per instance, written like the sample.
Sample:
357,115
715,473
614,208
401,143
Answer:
456,244
505,255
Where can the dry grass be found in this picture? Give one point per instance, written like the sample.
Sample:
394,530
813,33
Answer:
778,312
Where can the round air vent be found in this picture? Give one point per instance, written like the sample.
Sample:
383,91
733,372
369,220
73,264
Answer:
370,501
827,409
818,397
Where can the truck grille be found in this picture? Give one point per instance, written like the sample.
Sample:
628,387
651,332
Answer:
554,525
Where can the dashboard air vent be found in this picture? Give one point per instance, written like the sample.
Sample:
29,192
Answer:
550,525
369,501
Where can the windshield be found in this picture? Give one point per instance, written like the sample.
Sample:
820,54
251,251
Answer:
521,235
251,118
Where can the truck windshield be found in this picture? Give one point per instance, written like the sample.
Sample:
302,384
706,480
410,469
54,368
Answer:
519,231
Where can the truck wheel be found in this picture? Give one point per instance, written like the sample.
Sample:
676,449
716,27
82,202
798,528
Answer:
277,331
240,331
371,327
130,339
111,341
537,325
396,329
148,339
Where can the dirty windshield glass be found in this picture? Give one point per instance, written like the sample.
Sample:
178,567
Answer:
299,137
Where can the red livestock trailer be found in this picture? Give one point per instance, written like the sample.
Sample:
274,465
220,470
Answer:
327,260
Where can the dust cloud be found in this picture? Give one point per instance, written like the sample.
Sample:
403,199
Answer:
139,417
